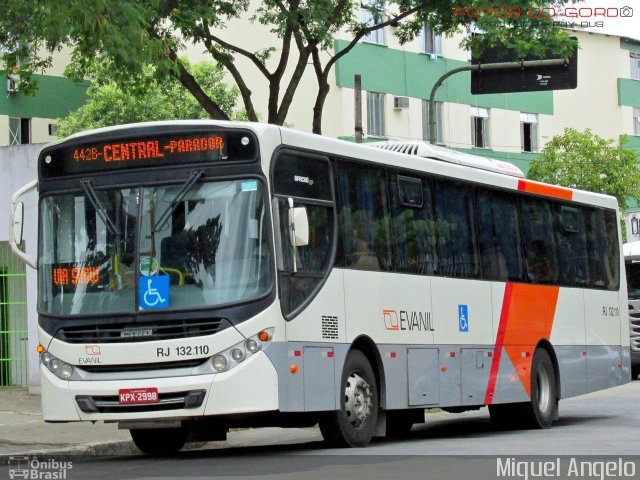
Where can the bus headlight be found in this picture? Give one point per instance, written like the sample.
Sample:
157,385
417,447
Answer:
235,355
56,366
252,346
220,363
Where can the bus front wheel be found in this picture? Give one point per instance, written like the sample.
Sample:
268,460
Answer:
355,423
160,441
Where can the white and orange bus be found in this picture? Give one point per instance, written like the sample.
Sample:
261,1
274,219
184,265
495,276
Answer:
200,275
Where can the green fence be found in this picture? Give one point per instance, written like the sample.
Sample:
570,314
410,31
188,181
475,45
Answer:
13,319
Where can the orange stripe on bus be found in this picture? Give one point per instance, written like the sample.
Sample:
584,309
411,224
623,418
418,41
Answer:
544,189
526,318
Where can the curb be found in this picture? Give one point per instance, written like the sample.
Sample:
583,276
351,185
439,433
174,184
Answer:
102,449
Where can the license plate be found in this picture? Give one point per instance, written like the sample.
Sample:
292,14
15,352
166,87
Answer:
138,395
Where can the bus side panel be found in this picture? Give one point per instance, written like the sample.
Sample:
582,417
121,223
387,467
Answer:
568,339
504,384
604,362
389,308
572,366
323,320
462,312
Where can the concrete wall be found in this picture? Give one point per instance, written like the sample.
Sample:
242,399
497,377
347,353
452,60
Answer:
18,166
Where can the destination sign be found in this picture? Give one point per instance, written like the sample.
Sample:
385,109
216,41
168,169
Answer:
141,151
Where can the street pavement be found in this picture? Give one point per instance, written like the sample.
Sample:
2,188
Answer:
601,423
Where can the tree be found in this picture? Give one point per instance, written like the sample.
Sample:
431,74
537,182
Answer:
587,161
146,98
133,33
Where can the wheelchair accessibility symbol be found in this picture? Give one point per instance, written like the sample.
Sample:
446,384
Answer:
154,292
463,318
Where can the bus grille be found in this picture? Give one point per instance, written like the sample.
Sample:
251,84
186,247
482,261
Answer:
167,401
143,367
138,332
634,332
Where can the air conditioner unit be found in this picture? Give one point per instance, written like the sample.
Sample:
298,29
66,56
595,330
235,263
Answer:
12,83
400,102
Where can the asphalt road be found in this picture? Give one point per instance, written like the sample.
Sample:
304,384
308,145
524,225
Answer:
603,426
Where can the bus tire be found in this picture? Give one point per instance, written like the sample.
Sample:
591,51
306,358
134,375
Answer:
355,423
543,408
160,441
400,422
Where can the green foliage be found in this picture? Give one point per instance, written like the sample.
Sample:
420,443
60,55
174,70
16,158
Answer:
589,162
145,98
136,33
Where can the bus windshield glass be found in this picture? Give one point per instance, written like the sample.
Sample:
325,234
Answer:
633,278
211,249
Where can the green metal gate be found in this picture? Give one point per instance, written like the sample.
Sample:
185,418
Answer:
13,319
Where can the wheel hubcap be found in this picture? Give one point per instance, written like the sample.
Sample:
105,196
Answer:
357,399
544,400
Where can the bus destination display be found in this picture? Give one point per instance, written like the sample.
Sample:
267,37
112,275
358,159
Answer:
150,149
147,150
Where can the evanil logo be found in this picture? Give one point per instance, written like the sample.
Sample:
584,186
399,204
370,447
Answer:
407,320
300,179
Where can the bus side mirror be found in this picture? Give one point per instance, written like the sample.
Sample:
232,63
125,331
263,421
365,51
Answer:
299,225
18,223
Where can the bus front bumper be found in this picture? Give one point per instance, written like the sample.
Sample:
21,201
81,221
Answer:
251,386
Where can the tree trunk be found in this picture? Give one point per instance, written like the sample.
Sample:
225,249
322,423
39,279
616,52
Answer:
323,91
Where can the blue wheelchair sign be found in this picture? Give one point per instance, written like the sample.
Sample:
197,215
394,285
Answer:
153,292
463,318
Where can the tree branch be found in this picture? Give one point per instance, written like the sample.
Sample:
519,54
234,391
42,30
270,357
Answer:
209,38
366,31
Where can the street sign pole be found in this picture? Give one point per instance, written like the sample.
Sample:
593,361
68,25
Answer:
478,67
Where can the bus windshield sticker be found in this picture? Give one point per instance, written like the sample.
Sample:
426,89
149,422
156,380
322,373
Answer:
148,266
154,292
249,186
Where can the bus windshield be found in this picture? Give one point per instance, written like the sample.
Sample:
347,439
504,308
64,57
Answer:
633,278
211,249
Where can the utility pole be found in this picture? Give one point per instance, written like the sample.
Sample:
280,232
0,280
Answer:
358,106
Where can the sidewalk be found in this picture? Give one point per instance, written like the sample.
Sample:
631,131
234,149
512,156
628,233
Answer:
24,432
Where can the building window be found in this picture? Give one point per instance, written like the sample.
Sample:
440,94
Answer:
529,132
479,127
375,114
19,131
635,65
636,121
371,12
425,121
53,129
430,42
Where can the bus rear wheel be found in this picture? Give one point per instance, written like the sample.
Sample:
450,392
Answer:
542,410
160,441
355,423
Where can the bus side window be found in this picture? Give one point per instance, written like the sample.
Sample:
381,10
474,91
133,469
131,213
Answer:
413,239
458,256
499,236
572,245
364,217
540,249
604,256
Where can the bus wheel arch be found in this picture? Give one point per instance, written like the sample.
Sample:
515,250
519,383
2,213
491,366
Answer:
368,347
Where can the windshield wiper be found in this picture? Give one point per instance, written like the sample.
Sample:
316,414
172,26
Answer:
191,181
100,210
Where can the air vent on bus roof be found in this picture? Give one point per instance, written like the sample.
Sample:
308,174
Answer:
425,149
